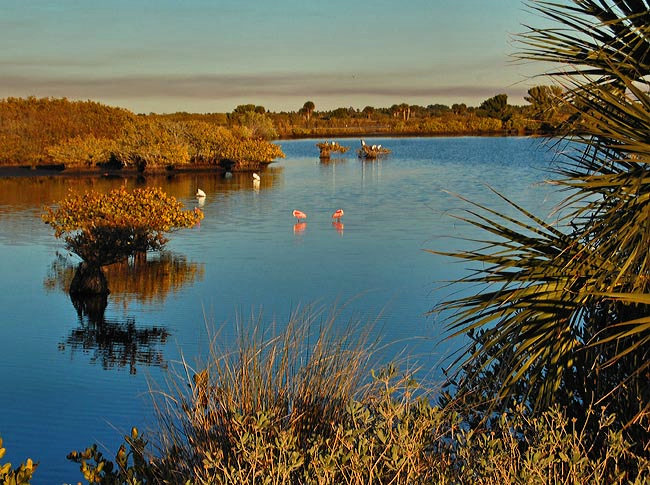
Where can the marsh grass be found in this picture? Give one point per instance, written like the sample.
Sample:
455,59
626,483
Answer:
300,403
294,380
307,403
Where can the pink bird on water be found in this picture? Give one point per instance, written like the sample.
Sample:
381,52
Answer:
338,214
299,214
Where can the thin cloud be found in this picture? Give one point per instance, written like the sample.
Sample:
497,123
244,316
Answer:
227,86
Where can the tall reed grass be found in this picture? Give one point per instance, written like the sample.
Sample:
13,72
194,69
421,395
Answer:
306,403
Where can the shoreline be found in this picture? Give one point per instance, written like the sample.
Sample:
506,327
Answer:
16,171
409,134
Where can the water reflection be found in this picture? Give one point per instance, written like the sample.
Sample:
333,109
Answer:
36,191
338,226
332,161
299,227
115,343
142,279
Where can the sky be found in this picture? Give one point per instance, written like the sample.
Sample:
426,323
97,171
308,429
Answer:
212,55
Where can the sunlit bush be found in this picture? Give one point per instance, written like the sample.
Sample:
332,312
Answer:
106,228
82,152
211,145
152,143
259,125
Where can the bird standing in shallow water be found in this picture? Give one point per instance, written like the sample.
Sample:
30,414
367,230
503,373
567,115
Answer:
256,177
338,214
200,193
299,214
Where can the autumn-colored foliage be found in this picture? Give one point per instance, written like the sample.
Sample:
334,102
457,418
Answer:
28,126
16,476
151,143
84,135
81,152
105,228
209,144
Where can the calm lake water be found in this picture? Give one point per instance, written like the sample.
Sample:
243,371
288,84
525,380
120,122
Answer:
67,381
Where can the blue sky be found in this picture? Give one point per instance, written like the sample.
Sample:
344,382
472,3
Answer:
203,56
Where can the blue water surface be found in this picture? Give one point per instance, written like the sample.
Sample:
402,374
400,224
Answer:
64,384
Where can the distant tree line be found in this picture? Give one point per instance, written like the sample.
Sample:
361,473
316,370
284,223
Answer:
543,114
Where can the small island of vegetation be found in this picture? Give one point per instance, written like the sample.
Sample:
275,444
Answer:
327,147
103,229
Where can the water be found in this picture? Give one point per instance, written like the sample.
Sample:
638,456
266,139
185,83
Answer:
68,381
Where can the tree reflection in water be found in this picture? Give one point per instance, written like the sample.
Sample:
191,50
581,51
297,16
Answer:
114,343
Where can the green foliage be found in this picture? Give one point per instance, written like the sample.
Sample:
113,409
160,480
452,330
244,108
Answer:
85,134
239,427
105,228
212,145
131,467
496,106
248,108
259,125
394,438
307,109
462,124
544,449
544,101
368,111
563,315
18,476
386,438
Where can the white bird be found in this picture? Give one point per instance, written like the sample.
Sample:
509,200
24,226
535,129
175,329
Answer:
363,143
200,193
374,147
256,177
378,147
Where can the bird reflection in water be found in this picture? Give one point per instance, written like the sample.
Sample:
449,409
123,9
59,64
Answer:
338,226
299,227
